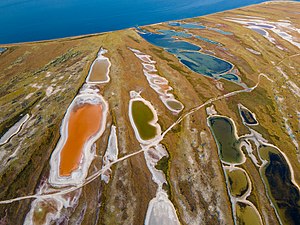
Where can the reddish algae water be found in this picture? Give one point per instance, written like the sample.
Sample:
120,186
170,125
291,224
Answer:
84,122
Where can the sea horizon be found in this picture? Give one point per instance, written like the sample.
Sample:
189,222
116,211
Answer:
29,30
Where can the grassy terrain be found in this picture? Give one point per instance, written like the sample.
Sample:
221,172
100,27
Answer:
43,78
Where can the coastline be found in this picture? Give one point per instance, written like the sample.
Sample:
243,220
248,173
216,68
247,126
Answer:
81,36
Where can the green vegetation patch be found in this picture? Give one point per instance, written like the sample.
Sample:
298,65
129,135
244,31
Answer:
163,165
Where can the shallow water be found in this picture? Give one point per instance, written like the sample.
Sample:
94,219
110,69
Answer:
189,54
44,209
207,40
204,64
260,31
224,135
230,76
284,194
142,115
166,41
99,71
221,31
246,215
174,105
238,182
2,50
187,25
174,33
247,116
84,122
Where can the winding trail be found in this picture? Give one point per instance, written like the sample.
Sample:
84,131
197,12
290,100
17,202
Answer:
144,148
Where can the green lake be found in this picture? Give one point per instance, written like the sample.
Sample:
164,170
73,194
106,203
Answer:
224,134
174,105
246,215
142,116
238,182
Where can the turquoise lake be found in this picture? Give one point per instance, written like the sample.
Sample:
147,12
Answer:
34,20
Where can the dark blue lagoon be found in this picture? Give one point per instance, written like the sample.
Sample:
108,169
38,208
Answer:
33,20
187,25
205,64
166,40
189,54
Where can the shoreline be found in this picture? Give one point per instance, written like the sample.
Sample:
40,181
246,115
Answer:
80,36
153,122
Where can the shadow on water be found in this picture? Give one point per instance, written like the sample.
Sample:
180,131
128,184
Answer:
283,192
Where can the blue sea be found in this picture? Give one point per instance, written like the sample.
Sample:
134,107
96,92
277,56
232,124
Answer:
35,20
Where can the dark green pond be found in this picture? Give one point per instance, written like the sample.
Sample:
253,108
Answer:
284,194
247,116
224,134
174,105
142,115
238,182
246,214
